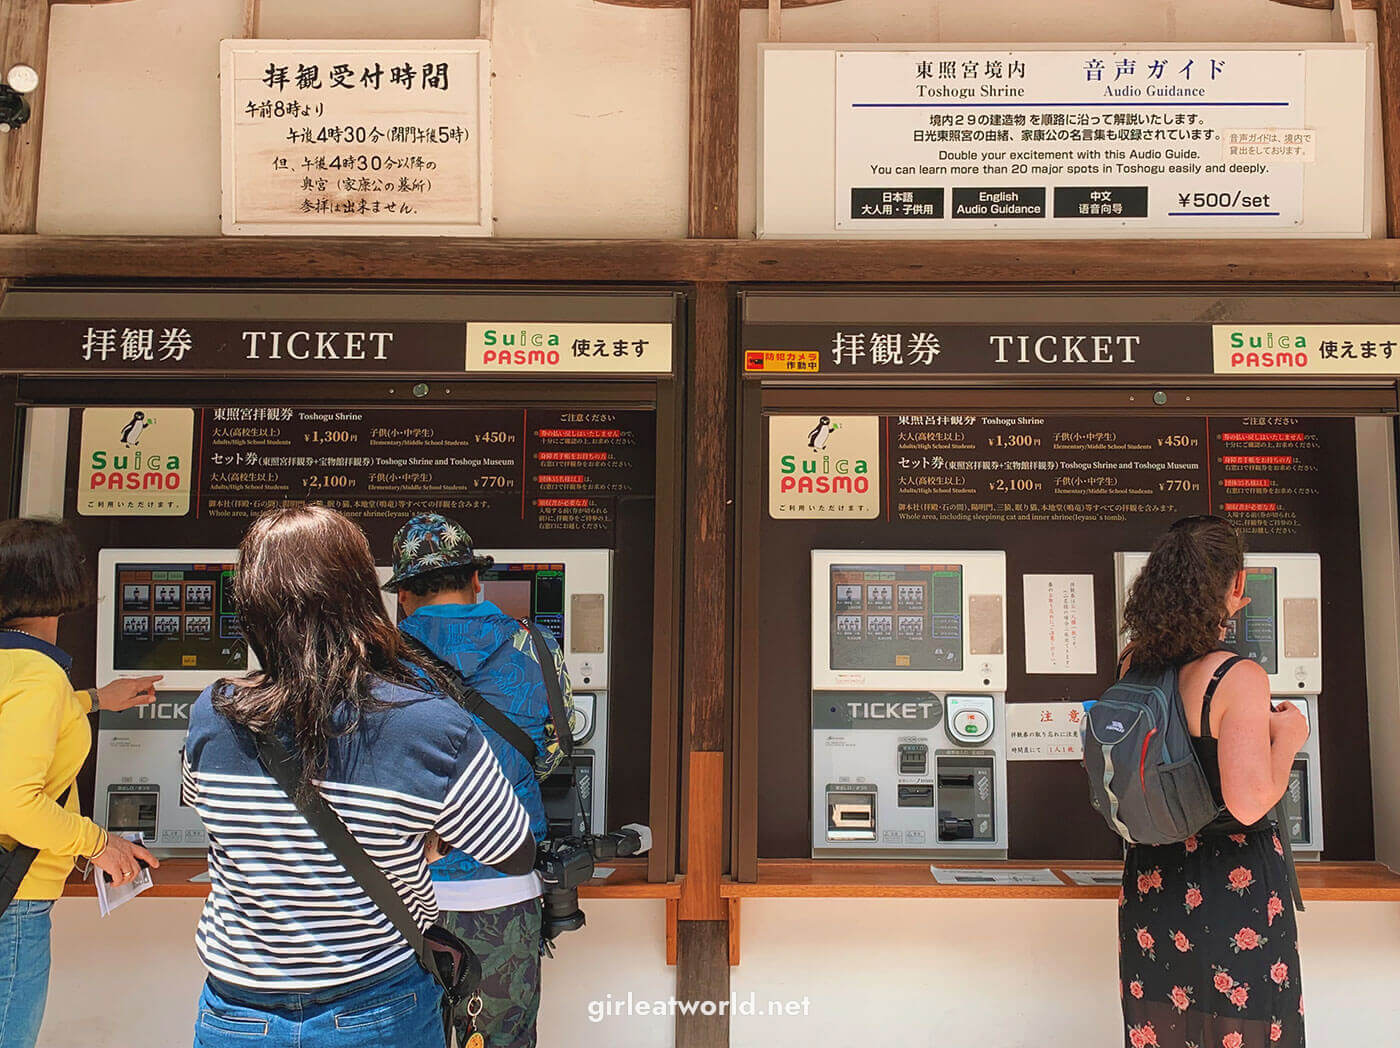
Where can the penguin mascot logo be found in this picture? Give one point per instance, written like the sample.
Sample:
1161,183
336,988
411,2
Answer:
816,440
131,432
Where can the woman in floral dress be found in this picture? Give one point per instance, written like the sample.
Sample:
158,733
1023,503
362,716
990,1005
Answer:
1207,940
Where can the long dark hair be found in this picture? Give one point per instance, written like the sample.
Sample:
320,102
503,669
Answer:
1177,606
42,570
309,605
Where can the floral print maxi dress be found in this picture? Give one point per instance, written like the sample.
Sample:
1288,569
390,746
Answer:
1208,944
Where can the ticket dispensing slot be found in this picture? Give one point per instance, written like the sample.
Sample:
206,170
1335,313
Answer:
567,593
1281,629
908,703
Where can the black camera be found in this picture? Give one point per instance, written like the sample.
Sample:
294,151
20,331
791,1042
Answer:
566,863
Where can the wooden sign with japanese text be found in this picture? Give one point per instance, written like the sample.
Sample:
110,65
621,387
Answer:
379,138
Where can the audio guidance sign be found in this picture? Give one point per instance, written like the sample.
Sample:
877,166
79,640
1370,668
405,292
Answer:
946,142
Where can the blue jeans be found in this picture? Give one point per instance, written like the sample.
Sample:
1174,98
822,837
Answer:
400,1009
24,971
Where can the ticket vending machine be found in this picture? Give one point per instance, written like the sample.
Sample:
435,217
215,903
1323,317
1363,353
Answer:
908,704
164,612
1281,629
168,612
569,593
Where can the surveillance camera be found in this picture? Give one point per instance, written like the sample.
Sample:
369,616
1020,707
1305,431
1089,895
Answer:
23,79
14,110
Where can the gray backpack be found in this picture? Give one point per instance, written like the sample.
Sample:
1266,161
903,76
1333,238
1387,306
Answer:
1144,776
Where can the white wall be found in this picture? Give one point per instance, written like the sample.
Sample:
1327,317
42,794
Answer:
1014,974
131,980
590,99
1005,974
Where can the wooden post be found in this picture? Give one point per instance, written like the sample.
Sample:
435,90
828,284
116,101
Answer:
252,19
24,39
702,933
1388,57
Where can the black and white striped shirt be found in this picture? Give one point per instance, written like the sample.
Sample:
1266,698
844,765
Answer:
283,914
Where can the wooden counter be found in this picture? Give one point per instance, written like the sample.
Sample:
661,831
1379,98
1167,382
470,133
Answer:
174,880
815,879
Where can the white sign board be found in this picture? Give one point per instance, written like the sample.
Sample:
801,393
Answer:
1044,731
380,138
1093,138
1060,624
1158,140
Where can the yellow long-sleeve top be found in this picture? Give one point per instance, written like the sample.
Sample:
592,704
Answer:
44,740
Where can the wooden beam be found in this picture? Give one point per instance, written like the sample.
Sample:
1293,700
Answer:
702,938
714,118
1327,5
24,38
748,4
703,261
1388,58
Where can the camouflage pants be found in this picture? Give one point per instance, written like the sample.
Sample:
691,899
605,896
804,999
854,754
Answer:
507,942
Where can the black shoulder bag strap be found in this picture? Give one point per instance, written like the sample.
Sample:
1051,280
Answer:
563,730
552,688
374,882
476,703
15,863
1280,811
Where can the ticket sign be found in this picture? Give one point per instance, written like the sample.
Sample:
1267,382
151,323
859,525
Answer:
386,138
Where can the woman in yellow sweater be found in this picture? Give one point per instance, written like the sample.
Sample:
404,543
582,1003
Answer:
44,740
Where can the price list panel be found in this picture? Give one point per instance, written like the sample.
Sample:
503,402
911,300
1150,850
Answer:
1010,468
557,470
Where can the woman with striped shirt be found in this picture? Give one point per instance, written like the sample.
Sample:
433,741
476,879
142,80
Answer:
297,953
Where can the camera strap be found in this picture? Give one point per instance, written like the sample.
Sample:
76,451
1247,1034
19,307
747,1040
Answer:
563,730
552,688
477,704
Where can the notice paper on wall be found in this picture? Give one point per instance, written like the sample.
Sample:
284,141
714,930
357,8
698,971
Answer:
1044,731
993,875
1060,624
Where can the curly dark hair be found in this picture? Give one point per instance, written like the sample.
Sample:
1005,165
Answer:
1177,605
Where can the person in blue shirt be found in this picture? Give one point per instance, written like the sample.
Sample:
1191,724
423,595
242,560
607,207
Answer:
437,576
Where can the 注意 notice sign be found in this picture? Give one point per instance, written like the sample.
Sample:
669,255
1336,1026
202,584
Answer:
356,137
944,142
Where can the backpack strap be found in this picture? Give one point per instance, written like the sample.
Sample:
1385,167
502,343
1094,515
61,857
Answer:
474,702
1215,680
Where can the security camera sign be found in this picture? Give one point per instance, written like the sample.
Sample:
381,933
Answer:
824,466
